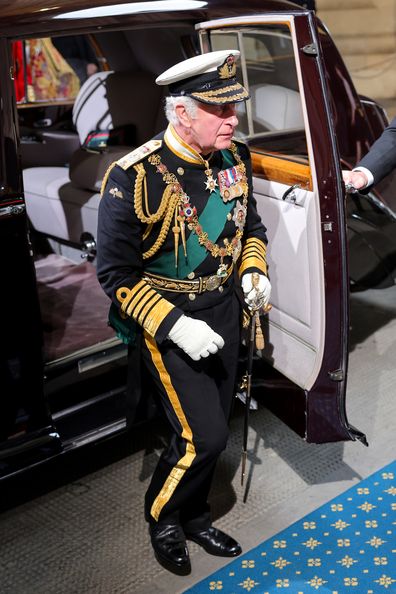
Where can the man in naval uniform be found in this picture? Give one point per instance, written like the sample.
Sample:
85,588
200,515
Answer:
178,233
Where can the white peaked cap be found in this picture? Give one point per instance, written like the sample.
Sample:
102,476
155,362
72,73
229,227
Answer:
209,78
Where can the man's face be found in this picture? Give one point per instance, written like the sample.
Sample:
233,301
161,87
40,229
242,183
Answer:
213,127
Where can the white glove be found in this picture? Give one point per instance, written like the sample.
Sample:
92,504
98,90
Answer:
195,337
259,294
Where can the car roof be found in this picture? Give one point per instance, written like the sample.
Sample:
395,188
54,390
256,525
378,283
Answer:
28,18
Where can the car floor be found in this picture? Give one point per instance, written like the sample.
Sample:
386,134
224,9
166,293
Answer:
73,306
86,534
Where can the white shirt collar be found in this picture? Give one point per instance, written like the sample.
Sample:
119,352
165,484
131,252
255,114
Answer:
180,148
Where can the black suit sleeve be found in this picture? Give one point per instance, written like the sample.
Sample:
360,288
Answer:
381,159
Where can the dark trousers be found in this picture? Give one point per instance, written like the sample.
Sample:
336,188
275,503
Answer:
196,397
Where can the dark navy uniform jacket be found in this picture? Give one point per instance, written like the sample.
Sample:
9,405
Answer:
381,158
122,237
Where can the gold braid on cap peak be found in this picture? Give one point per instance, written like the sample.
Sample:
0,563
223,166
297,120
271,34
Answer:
208,95
220,91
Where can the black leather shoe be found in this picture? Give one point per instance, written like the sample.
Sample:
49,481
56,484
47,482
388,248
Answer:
170,548
215,542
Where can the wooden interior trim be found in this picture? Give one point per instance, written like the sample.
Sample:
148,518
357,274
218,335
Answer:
282,170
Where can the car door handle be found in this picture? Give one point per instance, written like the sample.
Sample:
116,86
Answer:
290,193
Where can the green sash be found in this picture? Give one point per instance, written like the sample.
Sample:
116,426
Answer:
212,220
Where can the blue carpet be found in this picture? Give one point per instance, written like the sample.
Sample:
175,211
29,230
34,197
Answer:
347,546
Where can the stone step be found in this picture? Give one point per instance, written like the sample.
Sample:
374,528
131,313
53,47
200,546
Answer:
357,22
340,4
372,74
366,44
364,32
389,104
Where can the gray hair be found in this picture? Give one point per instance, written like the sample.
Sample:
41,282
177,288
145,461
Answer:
190,104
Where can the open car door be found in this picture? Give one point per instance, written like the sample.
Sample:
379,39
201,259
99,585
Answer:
298,186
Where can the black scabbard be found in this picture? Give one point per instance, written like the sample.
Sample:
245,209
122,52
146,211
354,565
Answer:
249,367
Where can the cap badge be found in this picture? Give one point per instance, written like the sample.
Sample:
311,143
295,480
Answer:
227,68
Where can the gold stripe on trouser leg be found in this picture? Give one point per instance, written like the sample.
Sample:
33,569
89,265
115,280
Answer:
185,462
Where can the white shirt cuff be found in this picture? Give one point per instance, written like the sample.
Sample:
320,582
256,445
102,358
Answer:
367,173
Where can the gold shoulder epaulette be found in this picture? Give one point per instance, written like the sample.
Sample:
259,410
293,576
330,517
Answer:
138,154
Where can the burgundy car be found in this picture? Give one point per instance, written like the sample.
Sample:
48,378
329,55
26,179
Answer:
63,370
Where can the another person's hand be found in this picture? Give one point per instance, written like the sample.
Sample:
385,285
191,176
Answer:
258,294
357,179
195,338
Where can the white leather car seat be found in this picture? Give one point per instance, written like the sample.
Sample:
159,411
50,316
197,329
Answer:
62,202
276,107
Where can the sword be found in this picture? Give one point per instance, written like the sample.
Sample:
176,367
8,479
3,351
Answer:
247,383
254,327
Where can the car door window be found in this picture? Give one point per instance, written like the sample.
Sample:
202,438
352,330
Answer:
274,123
269,72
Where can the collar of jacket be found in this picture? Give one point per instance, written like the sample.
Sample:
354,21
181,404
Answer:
180,148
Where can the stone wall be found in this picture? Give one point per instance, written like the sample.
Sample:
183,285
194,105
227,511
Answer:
365,34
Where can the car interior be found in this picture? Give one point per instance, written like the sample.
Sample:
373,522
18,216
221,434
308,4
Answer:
65,151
